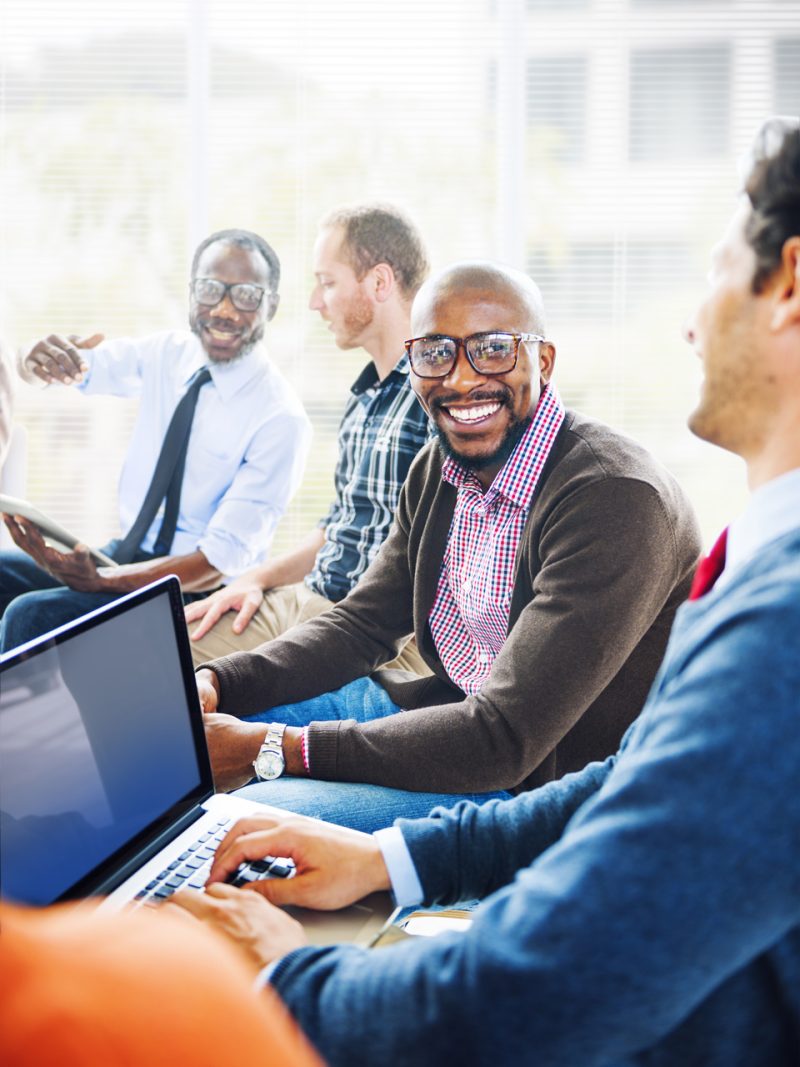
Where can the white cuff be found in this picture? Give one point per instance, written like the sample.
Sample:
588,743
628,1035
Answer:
406,886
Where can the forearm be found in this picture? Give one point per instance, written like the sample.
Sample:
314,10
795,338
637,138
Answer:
469,851
194,571
359,634
292,566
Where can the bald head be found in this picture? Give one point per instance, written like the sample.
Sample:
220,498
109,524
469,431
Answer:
481,282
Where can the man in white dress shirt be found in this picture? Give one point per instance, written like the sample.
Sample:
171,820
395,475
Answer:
206,504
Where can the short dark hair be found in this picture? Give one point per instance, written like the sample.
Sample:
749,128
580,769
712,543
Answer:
773,188
243,239
381,233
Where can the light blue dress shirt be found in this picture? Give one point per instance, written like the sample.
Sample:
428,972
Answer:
247,450
772,511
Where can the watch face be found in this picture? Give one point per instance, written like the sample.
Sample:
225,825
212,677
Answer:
269,765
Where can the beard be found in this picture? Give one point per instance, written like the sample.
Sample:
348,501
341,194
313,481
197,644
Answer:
512,437
356,319
196,325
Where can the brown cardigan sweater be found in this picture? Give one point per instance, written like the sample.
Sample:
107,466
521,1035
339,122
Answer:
605,558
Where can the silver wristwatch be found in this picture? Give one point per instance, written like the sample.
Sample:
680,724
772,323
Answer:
269,763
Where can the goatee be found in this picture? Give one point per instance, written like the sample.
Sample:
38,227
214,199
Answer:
513,436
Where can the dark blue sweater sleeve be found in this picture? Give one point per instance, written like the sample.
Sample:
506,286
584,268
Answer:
470,850
649,920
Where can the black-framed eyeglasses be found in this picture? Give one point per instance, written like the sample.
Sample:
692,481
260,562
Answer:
488,353
244,295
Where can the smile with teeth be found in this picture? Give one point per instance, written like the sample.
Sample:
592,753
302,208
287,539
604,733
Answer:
474,414
221,335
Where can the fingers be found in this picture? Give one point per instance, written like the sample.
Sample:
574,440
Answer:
87,342
212,613
26,536
207,691
208,698
194,610
248,609
242,842
197,904
57,359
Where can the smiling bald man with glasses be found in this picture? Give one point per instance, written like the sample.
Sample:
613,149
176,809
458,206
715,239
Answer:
537,556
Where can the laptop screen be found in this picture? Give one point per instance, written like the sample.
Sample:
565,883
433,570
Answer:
101,745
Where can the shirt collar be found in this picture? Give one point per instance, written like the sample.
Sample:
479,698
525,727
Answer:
772,511
539,435
228,378
368,378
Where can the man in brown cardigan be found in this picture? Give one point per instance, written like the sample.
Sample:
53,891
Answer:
538,557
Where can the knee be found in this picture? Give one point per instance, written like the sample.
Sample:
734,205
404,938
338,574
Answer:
19,620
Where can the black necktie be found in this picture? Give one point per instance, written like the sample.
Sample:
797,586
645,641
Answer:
167,477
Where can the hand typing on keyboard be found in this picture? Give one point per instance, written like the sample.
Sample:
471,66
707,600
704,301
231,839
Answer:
191,868
333,867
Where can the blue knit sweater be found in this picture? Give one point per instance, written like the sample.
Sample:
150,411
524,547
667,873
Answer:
645,911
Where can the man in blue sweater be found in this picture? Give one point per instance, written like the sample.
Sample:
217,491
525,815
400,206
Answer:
647,909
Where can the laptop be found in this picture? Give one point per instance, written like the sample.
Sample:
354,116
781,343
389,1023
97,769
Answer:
105,781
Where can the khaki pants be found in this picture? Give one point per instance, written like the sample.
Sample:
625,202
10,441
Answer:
280,610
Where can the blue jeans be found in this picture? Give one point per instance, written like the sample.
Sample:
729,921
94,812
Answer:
355,804
32,602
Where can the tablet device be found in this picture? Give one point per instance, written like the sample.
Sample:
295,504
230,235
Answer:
51,531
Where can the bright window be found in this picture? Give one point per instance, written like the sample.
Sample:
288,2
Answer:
130,130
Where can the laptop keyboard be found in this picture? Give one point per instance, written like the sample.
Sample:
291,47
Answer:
192,867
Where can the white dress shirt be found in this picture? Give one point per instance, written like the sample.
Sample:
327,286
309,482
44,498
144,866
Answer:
247,450
772,511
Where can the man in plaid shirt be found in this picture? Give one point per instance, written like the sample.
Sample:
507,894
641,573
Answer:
369,262
538,557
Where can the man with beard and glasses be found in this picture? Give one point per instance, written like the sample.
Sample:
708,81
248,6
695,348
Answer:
369,262
217,451
538,557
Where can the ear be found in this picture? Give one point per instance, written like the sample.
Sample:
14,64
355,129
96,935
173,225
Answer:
785,285
383,282
272,306
547,361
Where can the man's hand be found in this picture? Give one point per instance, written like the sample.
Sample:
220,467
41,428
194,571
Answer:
335,866
76,569
207,689
243,596
232,747
264,932
58,359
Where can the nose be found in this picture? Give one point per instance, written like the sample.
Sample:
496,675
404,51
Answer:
226,309
462,375
315,301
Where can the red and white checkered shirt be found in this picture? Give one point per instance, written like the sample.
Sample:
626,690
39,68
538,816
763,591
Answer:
469,618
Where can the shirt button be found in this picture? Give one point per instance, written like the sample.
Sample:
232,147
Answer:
467,586
483,657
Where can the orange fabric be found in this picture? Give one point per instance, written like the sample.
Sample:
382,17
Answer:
79,987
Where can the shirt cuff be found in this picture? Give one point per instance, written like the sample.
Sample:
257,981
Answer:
406,886
264,976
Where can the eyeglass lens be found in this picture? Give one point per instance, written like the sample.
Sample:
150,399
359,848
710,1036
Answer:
489,353
209,292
